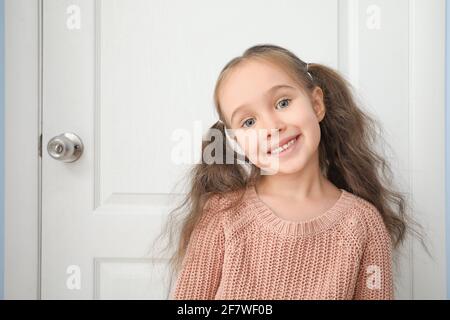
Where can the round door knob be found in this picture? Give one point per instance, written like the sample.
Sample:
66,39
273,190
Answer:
66,147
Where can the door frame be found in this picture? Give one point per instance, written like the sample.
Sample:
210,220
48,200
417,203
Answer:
23,96
22,163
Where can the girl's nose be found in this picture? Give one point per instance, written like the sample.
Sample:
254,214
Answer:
275,130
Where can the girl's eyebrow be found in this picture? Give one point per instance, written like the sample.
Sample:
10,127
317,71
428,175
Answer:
274,88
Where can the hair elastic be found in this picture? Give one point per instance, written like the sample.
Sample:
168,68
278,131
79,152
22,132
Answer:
309,74
236,147
234,144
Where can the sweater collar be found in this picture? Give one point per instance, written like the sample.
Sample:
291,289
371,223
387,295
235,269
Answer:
270,220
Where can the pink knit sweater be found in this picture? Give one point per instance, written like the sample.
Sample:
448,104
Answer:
250,253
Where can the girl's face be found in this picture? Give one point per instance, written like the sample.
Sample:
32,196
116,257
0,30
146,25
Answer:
266,109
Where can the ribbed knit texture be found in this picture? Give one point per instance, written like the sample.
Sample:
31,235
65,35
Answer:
250,253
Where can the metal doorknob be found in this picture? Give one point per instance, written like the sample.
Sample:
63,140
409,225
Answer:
66,147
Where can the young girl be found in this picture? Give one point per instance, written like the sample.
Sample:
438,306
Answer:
309,220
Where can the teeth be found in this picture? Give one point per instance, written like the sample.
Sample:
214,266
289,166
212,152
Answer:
284,147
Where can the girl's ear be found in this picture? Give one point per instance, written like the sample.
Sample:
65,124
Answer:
318,104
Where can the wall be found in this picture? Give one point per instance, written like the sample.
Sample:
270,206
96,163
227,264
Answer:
2,108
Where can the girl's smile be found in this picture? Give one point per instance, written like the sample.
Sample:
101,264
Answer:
285,149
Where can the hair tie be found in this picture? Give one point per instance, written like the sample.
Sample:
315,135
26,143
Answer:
309,74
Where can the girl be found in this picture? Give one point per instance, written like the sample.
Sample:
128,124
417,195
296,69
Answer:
306,215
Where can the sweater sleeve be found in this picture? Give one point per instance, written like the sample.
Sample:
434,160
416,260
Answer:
375,280
201,268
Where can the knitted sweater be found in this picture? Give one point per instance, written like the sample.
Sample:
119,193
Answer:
248,252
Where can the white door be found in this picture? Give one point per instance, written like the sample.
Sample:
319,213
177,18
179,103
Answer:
124,76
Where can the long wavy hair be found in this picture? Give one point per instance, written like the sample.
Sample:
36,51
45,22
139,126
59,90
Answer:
346,156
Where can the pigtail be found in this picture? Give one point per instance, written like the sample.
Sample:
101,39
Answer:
221,171
224,167
350,161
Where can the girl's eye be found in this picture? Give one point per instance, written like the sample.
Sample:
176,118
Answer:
246,121
287,100
252,119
